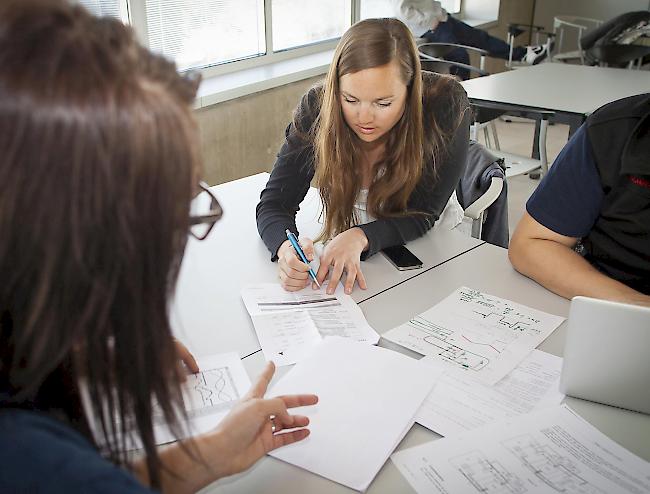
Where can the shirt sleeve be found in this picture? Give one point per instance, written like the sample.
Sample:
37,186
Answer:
568,199
287,186
429,197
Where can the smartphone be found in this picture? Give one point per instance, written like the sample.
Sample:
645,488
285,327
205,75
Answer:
402,258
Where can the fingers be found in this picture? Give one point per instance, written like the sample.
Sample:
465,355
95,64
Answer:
260,386
337,272
290,437
294,274
307,245
361,279
293,401
186,357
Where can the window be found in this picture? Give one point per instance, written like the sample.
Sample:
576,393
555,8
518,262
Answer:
385,8
309,21
111,8
207,32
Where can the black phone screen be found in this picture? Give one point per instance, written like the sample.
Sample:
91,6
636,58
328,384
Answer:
402,258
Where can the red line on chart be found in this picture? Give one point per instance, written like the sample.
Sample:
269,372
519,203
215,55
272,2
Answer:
477,343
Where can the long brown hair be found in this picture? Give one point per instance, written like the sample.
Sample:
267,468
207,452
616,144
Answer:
98,162
368,44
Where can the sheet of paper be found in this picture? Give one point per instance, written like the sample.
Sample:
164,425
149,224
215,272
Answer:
367,399
288,323
208,395
477,334
550,451
460,403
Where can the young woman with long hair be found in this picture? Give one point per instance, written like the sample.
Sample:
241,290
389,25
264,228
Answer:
99,165
384,143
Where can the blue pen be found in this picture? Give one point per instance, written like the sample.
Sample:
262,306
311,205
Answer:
294,241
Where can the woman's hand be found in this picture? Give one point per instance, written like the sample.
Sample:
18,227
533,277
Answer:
186,358
257,425
343,253
294,274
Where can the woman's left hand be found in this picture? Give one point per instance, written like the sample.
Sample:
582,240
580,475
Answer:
343,254
187,358
258,425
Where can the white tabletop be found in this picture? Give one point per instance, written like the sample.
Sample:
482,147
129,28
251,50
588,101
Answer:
485,268
208,314
559,87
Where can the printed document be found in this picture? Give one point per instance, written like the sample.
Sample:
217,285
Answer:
367,399
550,451
208,395
476,334
288,324
460,403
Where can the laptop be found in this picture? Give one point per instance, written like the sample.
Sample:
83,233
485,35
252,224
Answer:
607,354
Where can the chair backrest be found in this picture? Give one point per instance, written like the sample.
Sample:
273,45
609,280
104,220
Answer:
433,57
604,34
483,193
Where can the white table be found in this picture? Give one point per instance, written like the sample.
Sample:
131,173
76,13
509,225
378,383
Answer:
485,268
573,92
208,314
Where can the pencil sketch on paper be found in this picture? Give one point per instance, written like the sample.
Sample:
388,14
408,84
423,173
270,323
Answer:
209,391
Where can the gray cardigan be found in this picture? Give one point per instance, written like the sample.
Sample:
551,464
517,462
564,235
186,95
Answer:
294,170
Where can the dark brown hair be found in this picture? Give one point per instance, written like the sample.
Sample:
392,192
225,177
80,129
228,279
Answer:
98,162
368,44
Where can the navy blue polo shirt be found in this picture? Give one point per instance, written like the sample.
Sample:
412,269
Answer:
41,454
569,198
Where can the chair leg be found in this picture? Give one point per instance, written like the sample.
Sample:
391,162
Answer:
542,146
473,132
493,127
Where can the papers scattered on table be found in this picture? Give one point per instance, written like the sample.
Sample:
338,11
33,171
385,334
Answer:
367,399
475,333
289,324
549,451
208,395
459,403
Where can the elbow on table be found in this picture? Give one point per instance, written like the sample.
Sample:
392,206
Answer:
519,252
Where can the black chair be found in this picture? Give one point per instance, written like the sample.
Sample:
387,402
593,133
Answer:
600,45
432,59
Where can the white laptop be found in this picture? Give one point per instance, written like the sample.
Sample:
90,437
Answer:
607,353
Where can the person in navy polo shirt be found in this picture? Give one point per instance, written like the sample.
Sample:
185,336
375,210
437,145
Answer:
586,230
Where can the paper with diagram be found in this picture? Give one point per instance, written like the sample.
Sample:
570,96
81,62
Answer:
288,324
208,395
458,403
550,451
477,334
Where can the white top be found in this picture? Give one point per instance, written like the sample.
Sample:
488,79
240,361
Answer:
450,218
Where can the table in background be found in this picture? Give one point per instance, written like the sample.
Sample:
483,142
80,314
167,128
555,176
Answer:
208,314
485,268
573,92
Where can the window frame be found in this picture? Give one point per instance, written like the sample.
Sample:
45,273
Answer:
138,20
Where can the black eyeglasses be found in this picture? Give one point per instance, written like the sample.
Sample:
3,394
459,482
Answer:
205,211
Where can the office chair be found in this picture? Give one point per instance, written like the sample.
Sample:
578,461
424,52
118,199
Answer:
432,60
482,192
515,30
516,164
602,47
581,25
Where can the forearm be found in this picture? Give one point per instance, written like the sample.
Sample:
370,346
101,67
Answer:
563,271
185,471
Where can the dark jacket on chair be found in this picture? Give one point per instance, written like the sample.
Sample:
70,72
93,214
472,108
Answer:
481,167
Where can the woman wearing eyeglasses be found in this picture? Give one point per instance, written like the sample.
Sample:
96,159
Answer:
99,164
384,143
